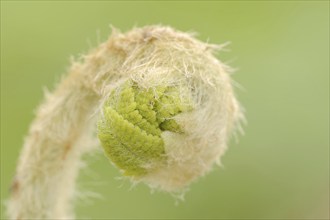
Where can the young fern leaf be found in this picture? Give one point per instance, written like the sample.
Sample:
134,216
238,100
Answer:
166,111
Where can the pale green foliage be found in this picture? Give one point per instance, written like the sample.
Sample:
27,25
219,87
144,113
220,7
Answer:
132,123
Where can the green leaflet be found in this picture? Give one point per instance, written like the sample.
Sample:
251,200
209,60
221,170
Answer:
132,123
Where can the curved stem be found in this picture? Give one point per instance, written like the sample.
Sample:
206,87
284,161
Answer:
44,183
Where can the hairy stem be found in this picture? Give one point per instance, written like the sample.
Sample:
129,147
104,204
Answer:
44,183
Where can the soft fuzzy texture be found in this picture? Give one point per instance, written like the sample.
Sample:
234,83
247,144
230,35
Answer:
62,131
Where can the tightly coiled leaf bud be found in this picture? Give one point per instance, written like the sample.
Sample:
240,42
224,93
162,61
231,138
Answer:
166,111
169,118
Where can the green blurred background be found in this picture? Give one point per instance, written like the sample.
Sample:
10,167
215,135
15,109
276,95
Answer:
279,169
